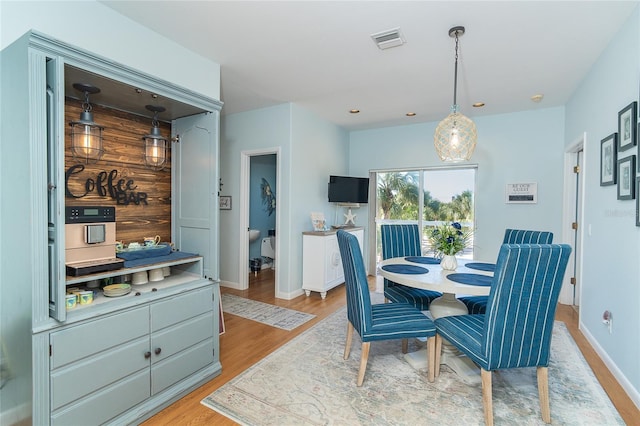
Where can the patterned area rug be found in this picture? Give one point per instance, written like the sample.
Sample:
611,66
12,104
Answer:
306,382
275,316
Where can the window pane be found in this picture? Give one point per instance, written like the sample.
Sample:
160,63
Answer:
449,198
398,196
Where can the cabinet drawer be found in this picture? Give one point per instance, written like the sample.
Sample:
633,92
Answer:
78,342
174,339
107,404
180,308
82,378
172,370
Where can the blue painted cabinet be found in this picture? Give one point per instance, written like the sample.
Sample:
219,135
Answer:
88,366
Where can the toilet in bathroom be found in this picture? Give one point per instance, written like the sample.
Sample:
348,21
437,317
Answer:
268,247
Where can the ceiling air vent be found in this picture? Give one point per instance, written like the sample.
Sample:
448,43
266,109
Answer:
388,39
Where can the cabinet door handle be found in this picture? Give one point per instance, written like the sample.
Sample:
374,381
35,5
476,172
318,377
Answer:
157,351
147,355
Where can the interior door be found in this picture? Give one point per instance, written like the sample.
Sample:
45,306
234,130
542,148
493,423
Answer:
195,188
55,189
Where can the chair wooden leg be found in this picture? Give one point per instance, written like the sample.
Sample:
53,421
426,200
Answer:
431,357
405,345
543,393
363,361
487,398
437,353
347,346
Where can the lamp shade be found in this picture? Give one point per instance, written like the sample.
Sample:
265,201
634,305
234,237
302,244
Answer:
155,149
86,138
455,138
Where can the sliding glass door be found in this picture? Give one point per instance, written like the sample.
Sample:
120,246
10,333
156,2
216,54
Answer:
427,197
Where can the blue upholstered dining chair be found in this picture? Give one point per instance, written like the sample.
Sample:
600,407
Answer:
516,329
404,240
385,321
478,304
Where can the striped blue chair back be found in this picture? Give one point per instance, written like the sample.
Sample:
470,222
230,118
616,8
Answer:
400,240
355,278
521,236
521,308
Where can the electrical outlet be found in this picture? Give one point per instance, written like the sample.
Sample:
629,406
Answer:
607,319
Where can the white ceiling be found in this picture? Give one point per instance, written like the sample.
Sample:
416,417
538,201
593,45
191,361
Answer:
319,54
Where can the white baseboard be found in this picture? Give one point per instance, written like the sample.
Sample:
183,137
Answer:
15,414
633,393
230,284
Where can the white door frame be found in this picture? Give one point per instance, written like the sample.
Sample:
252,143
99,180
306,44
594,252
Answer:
568,216
245,172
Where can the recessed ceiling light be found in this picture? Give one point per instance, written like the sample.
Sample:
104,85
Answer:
478,105
354,111
411,114
537,98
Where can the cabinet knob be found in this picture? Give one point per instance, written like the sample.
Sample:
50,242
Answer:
147,355
157,351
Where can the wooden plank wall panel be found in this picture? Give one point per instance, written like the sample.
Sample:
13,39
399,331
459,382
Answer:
123,152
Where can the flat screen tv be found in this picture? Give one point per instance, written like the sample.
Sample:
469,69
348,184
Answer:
347,189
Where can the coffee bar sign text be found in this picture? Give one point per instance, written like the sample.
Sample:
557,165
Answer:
105,185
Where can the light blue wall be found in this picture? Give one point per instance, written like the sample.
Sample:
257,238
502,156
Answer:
91,25
310,149
257,130
262,167
611,270
512,148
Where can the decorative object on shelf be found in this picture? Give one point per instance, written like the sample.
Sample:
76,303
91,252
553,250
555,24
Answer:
155,145
447,240
608,160
86,134
318,222
456,135
350,218
627,126
626,175
268,197
225,202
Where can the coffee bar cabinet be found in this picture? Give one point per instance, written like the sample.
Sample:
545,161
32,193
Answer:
321,261
117,360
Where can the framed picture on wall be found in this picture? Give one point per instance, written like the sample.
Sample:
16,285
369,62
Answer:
627,126
225,202
608,160
626,178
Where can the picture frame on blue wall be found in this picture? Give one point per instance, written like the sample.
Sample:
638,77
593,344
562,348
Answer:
627,129
608,160
626,178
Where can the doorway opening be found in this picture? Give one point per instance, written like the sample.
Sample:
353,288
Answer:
573,224
259,216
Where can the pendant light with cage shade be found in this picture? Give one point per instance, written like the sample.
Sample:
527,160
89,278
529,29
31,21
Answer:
455,136
86,134
155,145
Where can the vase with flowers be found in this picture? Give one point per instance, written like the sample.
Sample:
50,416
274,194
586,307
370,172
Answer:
447,240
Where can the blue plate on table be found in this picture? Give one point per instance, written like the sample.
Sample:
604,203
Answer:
405,269
488,267
471,279
423,259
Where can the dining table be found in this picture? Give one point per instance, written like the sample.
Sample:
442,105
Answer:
470,278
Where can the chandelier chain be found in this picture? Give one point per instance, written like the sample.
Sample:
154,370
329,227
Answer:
86,106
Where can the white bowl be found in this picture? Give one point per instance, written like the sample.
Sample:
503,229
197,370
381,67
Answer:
139,278
156,275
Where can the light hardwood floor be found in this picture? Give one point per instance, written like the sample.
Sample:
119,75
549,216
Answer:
245,342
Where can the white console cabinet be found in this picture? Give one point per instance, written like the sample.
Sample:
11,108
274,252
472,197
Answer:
321,261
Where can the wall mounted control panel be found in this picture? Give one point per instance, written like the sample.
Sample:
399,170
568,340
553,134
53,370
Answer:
90,214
